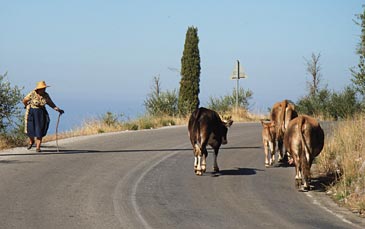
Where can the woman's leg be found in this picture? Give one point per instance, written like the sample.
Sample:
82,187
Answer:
31,142
38,144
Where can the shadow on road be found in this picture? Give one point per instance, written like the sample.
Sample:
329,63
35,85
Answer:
52,150
237,172
13,162
282,165
319,183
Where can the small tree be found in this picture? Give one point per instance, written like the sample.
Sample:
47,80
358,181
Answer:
344,105
330,105
190,73
9,105
316,105
11,120
228,102
313,69
316,102
159,102
358,73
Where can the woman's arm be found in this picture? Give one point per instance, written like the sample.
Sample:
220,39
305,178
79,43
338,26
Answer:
53,105
27,99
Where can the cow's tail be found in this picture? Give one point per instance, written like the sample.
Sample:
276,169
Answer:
284,104
197,144
305,155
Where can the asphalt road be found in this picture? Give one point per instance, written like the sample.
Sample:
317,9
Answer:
145,179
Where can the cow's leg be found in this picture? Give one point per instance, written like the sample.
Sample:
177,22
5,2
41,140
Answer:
298,176
290,159
272,152
197,159
306,170
280,149
199,167
215,167
267,149
195,163
298,173
204,160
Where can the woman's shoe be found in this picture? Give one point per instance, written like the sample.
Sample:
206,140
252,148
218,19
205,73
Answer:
29,146
38,150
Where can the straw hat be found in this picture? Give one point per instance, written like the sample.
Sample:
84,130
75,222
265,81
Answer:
41,85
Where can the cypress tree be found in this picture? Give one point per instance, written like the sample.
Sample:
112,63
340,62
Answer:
190,73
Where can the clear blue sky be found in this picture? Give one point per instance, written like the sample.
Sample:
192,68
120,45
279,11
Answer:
101,56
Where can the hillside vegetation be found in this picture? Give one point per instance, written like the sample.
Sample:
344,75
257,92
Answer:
343,158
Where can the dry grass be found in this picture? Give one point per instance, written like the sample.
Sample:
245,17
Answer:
97,126
3,144
344,156
242,115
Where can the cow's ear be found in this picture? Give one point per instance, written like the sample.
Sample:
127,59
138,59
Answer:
262,122
266,122
225,118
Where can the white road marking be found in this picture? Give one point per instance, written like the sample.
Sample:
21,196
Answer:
116,194
342,218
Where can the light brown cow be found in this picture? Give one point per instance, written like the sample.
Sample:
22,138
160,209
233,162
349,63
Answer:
304,139
281,114
268,139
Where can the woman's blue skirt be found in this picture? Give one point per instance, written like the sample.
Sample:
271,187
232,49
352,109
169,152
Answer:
37,122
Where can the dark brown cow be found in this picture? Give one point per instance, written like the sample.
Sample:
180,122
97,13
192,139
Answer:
304,139
206,127
281,114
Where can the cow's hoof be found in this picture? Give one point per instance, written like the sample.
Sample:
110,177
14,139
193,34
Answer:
216,170
298,183
199,173
204,169
267,165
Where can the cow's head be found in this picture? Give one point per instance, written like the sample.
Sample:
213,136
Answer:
269,129
224,129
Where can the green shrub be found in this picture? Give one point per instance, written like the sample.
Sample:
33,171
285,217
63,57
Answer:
330,105
167,122
344,104
11,119
131,126
228,102
110,119
161,103
146,124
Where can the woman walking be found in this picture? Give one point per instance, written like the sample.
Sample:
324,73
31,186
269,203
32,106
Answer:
36,116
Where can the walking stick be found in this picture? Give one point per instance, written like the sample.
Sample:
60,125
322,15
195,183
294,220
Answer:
58,122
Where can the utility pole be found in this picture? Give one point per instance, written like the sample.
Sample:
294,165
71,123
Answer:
237,74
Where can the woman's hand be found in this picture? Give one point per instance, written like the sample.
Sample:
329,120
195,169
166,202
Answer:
59,110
